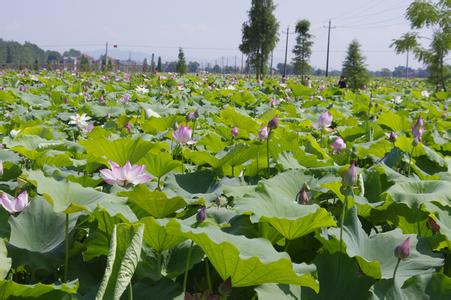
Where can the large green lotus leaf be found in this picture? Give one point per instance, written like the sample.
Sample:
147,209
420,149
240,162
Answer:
5,262
159,164
272,291
120,151
159,235
435,286
375,254
71,197
394,121
274,201
375,149
212,142
157,125
339,278
30,142
442,216
101,111
35,100
10,290
248,261
153,203
98,241
38,228
232,118
123,257
415,193
300,90
165,289
200,158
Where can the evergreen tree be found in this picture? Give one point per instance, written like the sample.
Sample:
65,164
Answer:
145,67
152,64
427,15
159,66
303,48
354,67
181,63
260,35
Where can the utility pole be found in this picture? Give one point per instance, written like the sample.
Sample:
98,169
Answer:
328,46
106,55
286,53
235,66
272,57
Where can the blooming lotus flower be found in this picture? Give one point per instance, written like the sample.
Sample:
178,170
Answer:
151,113
275,102
418,129
325,120
183,135
141,90
425,94
16,205
81,121
201,214
349,177
13,133
231,88
397,100
128,174
273,123
263,133
402,251
125,98
338,145
322,87
234,131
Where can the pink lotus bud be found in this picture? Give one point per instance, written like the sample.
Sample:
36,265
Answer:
273,123
302,196
192,116
101,99
128,127
234,131
392,137
433,225
349,177
402,251
263,133
418,129
201,214
274,102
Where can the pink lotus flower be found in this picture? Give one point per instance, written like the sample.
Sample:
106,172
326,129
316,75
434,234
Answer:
402,251
325,120
263,133
128,127
338,145
125,98
322,87
274,102
418,129
128,174
16,205
183,135
349,177
234,131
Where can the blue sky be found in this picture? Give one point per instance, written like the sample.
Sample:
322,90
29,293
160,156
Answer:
207,29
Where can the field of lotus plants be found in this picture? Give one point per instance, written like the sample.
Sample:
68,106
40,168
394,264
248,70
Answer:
118,186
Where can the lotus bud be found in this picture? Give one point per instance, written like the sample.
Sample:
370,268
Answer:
201,214
402,251
418,129
302,196
263,133
433,225
225,288
128,127
349,177
392,137
234,131
273,123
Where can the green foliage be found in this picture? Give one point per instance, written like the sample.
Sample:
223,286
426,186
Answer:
260,35
303,48
357,76
181,63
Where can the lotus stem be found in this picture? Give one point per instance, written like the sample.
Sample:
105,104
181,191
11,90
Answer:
258,150
343,213
410,161
233,171
267,154
207,271
130,291
188,259
396,268
66,258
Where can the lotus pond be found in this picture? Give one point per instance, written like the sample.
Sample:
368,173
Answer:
117,186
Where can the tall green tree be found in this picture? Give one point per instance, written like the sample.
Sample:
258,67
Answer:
84,63
354,67
145,66
303,48
159,66
260,35
181,63
435,16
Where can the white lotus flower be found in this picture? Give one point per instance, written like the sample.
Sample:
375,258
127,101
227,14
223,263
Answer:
141,90
81,121
151,113
14,132
397,100
425,94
